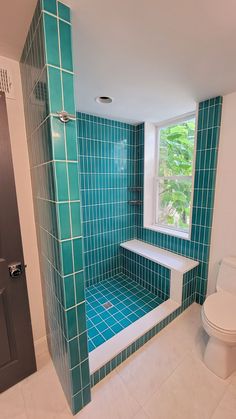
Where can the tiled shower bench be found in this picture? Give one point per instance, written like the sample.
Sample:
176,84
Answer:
182,275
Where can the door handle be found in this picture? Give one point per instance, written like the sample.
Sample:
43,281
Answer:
16,269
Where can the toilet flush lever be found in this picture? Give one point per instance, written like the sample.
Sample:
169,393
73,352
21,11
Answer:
65,116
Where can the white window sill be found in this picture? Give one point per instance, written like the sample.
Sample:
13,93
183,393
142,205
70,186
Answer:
169,231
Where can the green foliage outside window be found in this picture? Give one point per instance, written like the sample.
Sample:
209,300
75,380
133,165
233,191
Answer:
176,150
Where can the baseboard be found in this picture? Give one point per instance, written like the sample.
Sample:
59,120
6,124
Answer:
40,346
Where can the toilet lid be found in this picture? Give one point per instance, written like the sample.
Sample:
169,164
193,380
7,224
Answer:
220,310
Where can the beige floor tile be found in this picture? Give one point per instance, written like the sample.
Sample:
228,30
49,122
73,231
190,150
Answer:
192,391
140,415
110,399
12,404
187,327
43,395
227,406
147,370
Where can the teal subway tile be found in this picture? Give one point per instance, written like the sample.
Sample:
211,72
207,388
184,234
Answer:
79,287
69,291
63,11
71,323
81,317
75,219
64,220
73,181
65,45
68,92
55,93
61,181
74,352
50,183
58,139
77,402
50,6
71,142
76,379
78,254
85,373
51,40
86,395
67,257
83,344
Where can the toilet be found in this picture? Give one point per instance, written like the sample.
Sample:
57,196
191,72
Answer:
219,321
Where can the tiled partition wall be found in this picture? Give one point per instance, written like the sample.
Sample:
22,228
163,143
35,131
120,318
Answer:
208,130
107,158
47,78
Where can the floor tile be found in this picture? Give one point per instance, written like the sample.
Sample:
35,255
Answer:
110,399
192,391
140,415
145,372
43,395
227,406
12,404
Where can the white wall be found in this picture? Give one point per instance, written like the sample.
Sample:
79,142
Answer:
224,222
20,157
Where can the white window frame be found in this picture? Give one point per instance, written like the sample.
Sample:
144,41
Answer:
151,162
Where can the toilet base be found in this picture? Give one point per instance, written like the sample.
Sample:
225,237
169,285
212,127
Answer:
220,357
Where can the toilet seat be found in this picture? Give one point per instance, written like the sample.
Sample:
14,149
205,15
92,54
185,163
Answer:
219,316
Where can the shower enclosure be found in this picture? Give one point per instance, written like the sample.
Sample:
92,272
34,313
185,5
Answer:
117,291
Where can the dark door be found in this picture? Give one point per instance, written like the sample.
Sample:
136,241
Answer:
17,359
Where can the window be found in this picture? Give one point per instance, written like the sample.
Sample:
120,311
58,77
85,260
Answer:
172,176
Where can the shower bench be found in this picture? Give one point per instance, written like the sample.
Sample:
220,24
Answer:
177,264
110,354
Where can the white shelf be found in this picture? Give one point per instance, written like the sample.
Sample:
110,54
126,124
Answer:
162,257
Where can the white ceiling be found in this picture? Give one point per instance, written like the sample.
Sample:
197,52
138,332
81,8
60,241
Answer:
15,18
154,57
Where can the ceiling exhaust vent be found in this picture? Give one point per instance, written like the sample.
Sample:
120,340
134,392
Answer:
6,82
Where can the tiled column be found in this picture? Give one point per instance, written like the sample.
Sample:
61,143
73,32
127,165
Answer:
48,84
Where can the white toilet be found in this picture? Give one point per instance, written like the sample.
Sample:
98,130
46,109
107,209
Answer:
219,321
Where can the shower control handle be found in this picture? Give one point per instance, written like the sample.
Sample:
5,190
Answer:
65,116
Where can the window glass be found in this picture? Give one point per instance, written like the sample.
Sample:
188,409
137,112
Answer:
174,181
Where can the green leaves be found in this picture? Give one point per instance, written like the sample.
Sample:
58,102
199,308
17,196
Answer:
176,150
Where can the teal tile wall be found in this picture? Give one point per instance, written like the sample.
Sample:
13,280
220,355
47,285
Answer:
111,155
107,164
47,80
198,247
155,278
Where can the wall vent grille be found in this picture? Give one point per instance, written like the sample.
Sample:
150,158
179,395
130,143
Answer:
6,82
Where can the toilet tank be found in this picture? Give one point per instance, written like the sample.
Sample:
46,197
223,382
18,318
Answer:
226,280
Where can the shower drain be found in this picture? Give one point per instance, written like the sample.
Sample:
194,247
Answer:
107,305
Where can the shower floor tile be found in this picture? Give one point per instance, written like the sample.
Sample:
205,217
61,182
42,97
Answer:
114,304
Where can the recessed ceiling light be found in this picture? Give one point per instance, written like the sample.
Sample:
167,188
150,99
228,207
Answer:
104,99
